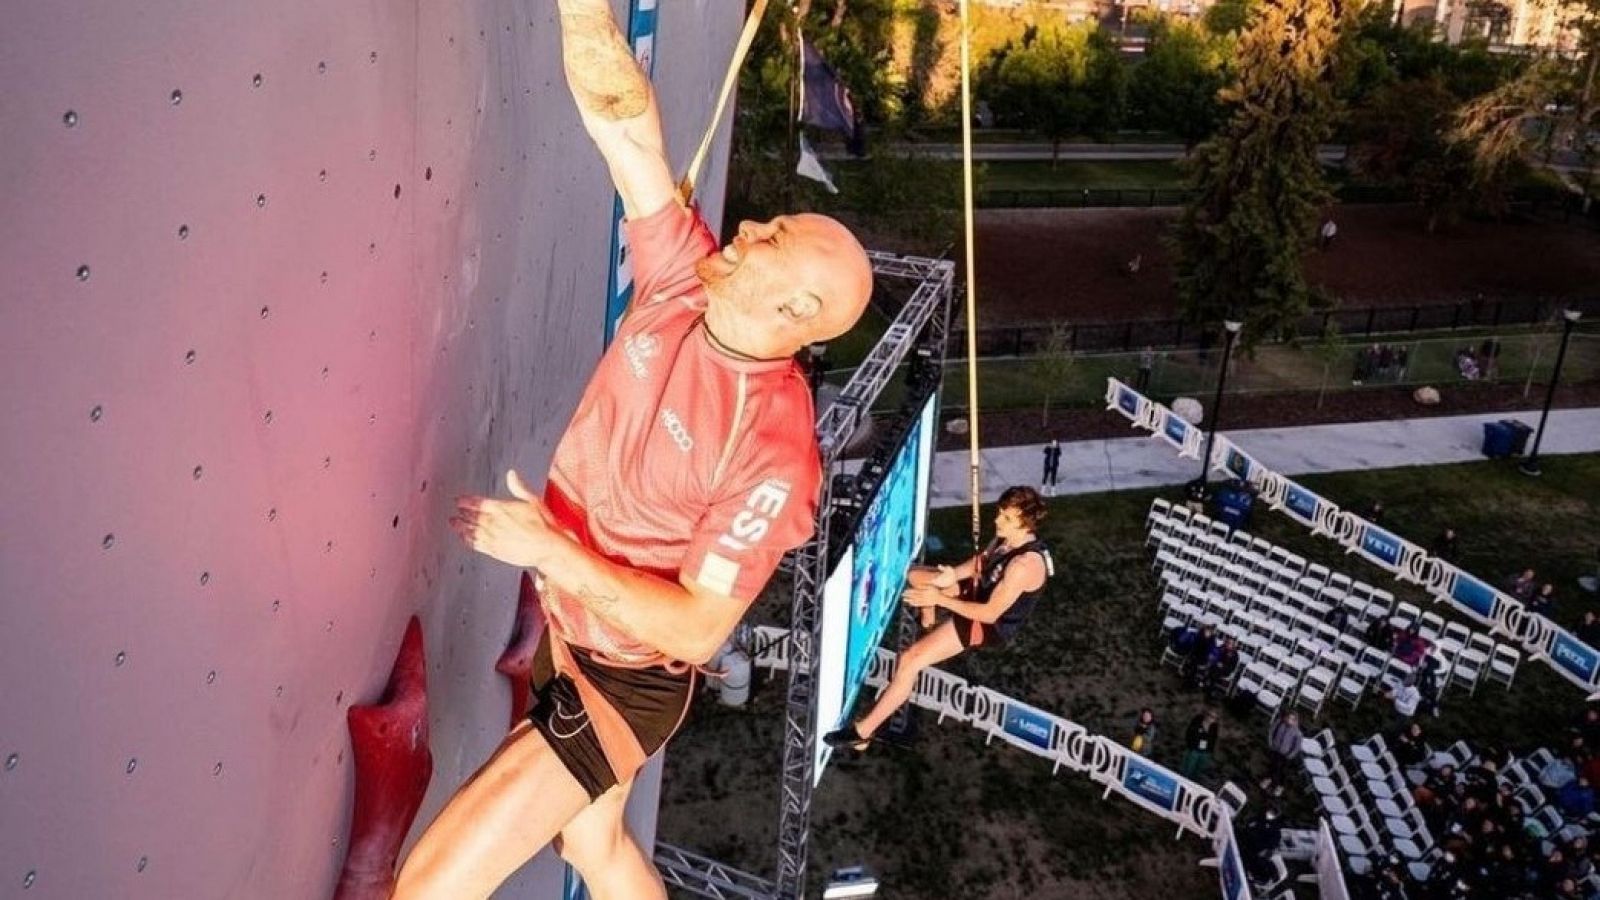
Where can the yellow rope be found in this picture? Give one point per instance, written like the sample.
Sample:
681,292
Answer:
751,25
972,274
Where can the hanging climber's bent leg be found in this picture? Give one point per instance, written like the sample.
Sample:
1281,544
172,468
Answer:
567,770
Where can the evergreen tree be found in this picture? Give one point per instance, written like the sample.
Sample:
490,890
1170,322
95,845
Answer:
1258,184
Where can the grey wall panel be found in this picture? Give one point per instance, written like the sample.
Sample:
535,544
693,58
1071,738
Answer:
232,441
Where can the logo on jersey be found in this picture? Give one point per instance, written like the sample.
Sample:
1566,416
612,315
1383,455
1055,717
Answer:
755,520
675,428
639,348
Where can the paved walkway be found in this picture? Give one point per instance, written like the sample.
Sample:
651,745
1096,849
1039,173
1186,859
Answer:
1117,464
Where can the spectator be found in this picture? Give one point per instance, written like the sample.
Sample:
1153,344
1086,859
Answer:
1557,774
1258,841
1406,700
1523,586
1147,362
1199,655
1052,466
1402,361
1467,364
1134,265
1380,635
1338,618
1410,746
1444,546
1283,747
1199,742
1576,798
1427,676
1543,602
1588,630
1410,646
1144,732
1328,232
1224,662
1375,512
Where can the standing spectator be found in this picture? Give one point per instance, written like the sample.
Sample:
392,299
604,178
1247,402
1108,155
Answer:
1428,686
1283,747
1544,602
1402,360
1147,362
1385,360
1144,732
1052,466
1523,586
1375,512
1134,265
1329,231
1199,742
1444,546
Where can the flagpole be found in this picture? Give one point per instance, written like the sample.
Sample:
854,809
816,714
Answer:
972,274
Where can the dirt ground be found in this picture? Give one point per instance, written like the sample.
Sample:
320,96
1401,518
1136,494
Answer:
1041,265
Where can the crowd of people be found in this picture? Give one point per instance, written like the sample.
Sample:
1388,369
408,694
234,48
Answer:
1381,362
1494,840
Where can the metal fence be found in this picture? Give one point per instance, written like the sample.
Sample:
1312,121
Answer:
1522,360
1360,323
1538,200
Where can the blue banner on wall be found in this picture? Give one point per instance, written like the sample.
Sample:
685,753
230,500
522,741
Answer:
1029,725
1575,656
1474,595
1301,502
1155,785
619,287
1380,546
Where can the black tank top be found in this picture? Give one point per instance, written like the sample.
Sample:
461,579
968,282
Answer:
994,570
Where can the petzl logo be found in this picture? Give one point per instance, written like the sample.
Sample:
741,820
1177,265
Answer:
1575,657
1028,726
639,348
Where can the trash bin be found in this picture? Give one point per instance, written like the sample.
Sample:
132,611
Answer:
1496,440
1233,505
1519,435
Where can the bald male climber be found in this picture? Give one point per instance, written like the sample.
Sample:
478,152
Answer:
687,471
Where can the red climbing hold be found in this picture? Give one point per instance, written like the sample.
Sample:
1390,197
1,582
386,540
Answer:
517,662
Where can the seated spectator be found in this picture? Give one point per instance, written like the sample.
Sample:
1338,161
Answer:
1523,586
1410,646
1410,748
1183,639
1557,774
1224,662
1427,678
1467,365
1380,635
1543,602
1338,618
1406,700
1576,798
1199,654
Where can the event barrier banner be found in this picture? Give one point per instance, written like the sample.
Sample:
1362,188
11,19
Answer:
1330,875
1540,638
1150,784
1028,728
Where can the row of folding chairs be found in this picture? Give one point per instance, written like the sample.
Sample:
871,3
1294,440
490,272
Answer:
1467,658
1352,822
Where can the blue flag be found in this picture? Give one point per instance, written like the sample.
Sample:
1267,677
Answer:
824,100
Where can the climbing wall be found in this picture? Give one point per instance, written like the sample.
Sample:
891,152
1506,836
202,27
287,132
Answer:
277,282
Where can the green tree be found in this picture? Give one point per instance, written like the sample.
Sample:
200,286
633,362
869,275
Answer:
1499,129
1040,85
1174,89
1054,365
1258,184
1399,138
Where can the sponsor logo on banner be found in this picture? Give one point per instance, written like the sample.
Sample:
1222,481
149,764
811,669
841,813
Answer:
1575,656
1128,401
1382,546
1029,725
1232,869
1175,429
1301,502
1238,464
1154,785
1474,595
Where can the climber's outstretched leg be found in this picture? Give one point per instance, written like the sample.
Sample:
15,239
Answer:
935,647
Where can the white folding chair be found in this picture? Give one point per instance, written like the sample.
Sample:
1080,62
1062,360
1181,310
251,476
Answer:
1503,664
1432,626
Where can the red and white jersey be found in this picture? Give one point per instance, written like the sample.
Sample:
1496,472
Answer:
679,458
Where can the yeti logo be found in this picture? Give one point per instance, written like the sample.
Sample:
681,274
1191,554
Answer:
639,348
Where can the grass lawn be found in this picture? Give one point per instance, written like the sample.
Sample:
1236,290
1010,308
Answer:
951,817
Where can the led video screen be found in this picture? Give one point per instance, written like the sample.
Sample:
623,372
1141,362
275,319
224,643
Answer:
862,593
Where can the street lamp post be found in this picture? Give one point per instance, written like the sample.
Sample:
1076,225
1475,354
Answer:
1530,466
1232,328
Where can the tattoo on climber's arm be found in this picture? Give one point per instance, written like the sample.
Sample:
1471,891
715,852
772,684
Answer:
605,78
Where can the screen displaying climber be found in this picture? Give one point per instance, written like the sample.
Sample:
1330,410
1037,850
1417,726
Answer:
679,484
863,592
